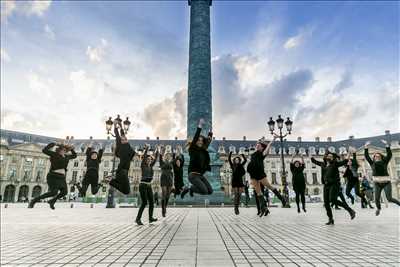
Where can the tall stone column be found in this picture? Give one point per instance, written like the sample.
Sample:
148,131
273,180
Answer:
199,86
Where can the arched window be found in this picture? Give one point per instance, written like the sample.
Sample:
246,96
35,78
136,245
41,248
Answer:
37,190
23,193
221,149
311,150
232,149
321,151
332,149
9,193
292,150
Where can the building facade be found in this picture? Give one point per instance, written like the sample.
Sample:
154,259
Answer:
24,167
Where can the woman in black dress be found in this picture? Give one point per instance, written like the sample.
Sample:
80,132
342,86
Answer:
299,182
238,172
166,180
178,163
199,164
56,177
257,174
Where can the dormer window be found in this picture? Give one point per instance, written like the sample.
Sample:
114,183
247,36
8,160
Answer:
311,150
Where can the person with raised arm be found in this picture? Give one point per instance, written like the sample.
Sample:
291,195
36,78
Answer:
331,178
56,178
238,171
199,164
257,175
145,190
351,175
166,179
178,163
380,175
299,181
125,153
93,160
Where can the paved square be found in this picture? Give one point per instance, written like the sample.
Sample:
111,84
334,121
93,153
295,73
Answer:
85,236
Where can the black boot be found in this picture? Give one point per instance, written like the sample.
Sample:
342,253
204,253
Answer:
51,203
352,214
237,201
258,206
32,203
138,222
261,200
163,207
151,219
330,222
184,192
279,196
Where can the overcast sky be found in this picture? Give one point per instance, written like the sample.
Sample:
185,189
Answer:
333,67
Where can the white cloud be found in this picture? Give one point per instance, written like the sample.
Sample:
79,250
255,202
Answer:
4,55
85,87
40,85
97,53
298,39
26,8
49,32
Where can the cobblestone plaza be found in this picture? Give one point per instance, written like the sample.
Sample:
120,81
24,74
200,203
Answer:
84,236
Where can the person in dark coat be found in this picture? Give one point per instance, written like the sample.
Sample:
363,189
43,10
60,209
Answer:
178,163
258,176
145,189
380,175
125,153
351,175
199,164
166,180
238,171
332,184
56,177
299,182
93,160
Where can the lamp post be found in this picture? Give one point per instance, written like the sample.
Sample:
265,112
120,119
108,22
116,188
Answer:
280,135
109,128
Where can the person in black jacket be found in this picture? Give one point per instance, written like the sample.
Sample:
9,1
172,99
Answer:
351,174
332,184
166,180
238,172
257,174
145,190
380,175
93,159
199,164
299,182
125,153
178,163
56,177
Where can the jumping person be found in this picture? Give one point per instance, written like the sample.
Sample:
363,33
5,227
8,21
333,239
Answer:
93,159
145,190
380,175
178,163
299,182
332,184
257,175
166,180
199,163
56,177
125,153
351,174
238,172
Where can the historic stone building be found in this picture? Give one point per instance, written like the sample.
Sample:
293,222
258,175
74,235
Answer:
24,166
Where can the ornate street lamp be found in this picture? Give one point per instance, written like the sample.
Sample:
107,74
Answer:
109,129
281,136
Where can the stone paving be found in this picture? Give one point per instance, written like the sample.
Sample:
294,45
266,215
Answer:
85,236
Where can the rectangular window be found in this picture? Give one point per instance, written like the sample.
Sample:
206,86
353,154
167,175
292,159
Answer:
39,175
305,177
13,173
273,165
397,160
76,163
27,175
105,174
14,160
106,163
314,178
74,175
274,178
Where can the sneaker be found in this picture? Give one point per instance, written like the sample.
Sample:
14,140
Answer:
153,220
304,209
236,210
352,214
138,222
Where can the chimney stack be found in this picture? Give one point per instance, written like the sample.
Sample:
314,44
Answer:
157,138
176,138
329,139
147,138
387,132
317,139
244,138
351,137
299,139
223,138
